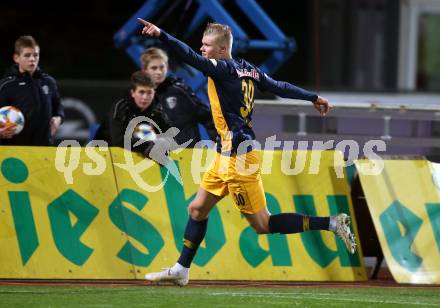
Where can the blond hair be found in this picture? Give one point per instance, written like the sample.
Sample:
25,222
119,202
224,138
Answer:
153,53
222,32
24,41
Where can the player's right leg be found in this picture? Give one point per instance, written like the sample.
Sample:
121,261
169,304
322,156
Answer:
248,194
195,231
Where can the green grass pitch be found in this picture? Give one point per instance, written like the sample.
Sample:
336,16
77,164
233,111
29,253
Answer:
164,296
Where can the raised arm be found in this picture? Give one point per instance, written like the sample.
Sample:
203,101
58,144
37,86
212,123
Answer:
209,67
288,90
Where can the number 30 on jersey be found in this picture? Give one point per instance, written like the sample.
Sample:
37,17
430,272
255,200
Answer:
247,87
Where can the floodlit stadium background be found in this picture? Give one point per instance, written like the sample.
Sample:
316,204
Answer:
378,62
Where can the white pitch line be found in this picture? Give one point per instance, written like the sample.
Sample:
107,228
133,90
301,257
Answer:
322,296
299,295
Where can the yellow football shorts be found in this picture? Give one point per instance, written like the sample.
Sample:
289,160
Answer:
238,175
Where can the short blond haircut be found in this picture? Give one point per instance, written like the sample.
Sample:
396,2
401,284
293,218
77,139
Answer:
153,53
222,32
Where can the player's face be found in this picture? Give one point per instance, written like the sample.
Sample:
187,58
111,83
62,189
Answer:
143,96
210,48
157,69
28,59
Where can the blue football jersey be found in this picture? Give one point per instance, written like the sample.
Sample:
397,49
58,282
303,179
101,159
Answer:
231,88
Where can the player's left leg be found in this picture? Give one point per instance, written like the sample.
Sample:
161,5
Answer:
195,231
211,191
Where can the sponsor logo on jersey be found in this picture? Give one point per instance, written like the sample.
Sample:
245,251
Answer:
248,73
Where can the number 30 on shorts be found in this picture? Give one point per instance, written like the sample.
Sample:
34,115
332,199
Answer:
239,199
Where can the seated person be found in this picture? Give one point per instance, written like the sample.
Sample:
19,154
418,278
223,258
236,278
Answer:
125,112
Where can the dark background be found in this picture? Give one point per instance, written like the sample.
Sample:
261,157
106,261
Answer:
76,37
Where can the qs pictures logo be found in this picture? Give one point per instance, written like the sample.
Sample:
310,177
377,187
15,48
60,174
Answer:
155,150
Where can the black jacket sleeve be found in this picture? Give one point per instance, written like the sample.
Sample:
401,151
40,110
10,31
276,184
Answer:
204,116
161,119
118,124
112,128
4,91
116,128
201,112
57,107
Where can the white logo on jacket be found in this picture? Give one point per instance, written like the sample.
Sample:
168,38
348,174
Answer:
45,89
171,102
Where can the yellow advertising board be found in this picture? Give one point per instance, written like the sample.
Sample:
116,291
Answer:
110,214
404,202
53,224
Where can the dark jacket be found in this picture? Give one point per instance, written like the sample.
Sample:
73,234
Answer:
115,123
184,110
38,99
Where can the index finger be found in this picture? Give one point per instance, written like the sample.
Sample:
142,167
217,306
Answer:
144,22
327,108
